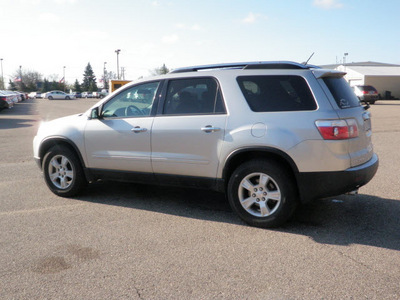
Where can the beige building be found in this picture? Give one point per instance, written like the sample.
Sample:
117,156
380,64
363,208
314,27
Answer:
384,77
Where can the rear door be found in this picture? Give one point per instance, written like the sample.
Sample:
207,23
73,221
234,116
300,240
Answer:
189,130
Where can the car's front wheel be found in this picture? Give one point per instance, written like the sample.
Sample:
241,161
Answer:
63,172
50,98
262,193
67,98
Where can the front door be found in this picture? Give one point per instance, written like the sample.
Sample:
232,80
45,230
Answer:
120,138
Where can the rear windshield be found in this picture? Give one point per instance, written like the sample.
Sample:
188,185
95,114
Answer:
367,88
342,92
276,93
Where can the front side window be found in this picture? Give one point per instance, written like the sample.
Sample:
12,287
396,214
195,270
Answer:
276,93
136,101
193,96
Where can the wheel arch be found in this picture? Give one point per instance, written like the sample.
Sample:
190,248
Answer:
63,142
242,155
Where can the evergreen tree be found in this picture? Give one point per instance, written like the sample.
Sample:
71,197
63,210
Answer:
56,86
45,86
77,86
89,79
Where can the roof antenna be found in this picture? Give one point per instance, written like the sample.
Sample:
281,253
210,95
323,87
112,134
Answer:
306,62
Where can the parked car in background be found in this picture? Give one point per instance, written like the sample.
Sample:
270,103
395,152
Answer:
34,95
58,95
22,95
6,100
77,94
14,96
87,95
366,93
271,135
101,94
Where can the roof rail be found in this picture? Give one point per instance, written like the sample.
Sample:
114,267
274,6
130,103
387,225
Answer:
247,66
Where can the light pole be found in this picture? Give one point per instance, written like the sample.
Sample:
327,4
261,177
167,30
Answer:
2,78
20,77
64,77
117,51
344,60
104,76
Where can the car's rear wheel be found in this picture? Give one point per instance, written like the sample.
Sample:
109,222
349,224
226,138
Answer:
262,193
63,172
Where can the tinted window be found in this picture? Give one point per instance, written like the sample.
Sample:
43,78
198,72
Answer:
276,93
193,96
135,101
342,92
367,88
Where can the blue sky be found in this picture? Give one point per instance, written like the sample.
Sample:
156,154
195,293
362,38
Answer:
46,35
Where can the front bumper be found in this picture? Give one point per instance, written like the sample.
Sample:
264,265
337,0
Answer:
315,185
38,162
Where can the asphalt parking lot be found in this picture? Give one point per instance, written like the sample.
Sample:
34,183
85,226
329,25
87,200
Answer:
128,241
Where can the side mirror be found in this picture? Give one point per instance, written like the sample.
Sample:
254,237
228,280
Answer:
94,114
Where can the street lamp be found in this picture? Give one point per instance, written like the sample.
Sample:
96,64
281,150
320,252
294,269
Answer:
20,77
344,60
2,78
117,51
104,76
64,77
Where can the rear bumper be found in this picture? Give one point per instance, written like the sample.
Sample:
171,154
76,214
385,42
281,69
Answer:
314,185
369,97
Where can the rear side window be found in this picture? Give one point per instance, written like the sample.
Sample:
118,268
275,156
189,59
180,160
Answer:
276,93
342,92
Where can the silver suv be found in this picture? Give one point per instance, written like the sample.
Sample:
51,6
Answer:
270,135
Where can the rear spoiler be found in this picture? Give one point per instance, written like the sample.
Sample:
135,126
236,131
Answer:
323,73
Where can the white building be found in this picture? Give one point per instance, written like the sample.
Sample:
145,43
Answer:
384,77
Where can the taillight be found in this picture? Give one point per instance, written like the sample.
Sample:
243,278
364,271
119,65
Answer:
337,129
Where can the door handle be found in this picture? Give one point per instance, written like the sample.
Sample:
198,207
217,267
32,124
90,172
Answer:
210,128
138,129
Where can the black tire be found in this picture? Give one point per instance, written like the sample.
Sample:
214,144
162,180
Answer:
63,172
50,98
67,98
269,190
372,102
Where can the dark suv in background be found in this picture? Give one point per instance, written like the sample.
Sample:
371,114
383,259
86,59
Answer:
366,93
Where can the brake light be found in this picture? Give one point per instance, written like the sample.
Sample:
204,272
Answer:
337,129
